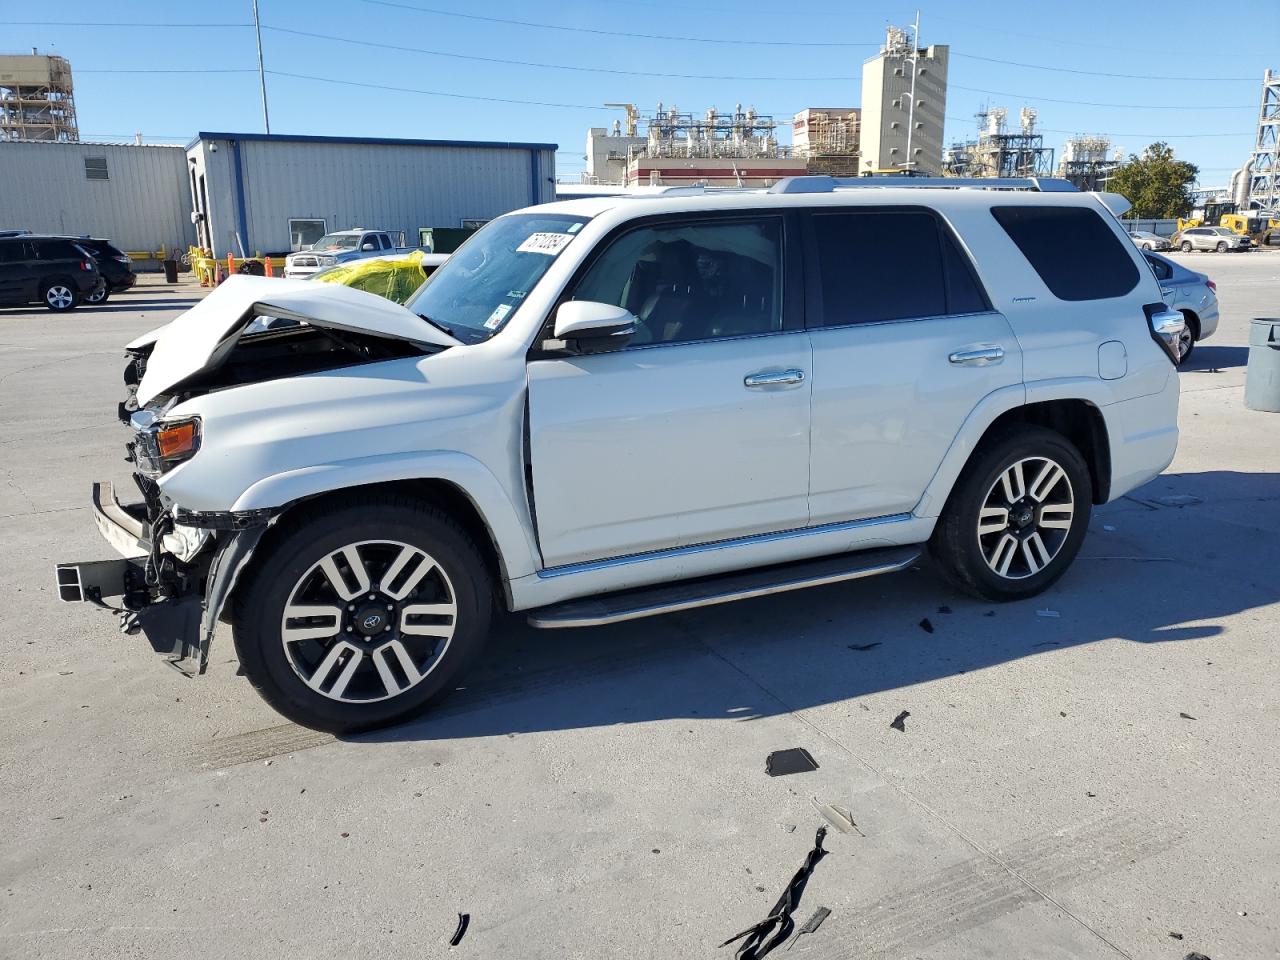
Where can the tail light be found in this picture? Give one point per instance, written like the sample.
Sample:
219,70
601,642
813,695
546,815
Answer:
86,265
121,258
1211,285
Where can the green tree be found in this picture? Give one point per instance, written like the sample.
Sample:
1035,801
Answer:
1158,186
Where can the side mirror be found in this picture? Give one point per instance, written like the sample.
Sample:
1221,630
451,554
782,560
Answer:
589,327
367,246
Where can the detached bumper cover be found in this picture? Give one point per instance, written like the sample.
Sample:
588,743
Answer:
175,606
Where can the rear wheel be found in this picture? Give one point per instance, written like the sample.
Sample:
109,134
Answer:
361,616
1187,339
1016,518
59,296
99,295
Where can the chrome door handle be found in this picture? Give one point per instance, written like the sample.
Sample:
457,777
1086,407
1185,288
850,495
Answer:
773,379
982,357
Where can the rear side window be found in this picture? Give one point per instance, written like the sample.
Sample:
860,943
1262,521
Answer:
1075,253
14,251
879,265
1161,269
58,250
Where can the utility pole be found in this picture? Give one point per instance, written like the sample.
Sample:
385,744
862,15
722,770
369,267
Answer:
911,108
262,73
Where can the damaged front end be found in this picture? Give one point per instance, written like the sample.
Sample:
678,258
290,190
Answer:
174,577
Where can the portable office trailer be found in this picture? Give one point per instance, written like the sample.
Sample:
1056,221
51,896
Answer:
272,193
133,195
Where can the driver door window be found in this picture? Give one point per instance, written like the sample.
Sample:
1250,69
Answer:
693,281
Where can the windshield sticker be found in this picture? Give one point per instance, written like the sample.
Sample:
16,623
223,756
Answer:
575,227
548,243
499,314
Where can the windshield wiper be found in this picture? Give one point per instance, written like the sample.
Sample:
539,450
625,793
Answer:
437,324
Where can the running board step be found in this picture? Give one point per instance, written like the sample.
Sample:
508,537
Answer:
704,592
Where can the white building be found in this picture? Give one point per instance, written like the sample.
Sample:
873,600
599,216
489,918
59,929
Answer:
888,119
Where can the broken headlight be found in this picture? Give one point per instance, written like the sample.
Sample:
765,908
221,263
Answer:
162,445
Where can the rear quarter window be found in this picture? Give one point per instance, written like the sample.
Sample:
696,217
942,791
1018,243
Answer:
1072,249
57,250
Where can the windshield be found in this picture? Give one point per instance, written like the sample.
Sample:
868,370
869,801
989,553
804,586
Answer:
479,288
337,241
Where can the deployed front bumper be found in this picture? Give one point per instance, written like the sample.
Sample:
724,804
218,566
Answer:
175,603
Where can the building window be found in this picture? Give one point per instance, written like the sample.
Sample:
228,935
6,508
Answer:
895,125
473,224
303,233
95,168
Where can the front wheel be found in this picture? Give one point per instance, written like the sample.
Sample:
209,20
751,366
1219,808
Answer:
1222,246
360,616
1017,516
1186,246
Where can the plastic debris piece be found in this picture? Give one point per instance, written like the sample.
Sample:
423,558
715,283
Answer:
1048,613
1195,956
839,818
464,920
926,626
900,721
864,646
780,763
760,938
1185,716
1179,500
810,925
1175,935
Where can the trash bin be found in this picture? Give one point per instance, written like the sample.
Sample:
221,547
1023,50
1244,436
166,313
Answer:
171,271
1262,379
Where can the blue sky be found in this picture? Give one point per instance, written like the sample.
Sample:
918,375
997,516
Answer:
1209,122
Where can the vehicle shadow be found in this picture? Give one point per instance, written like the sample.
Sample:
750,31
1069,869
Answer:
1205,358
825,645
144,305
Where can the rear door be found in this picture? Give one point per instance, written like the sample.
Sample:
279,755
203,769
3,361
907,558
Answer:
905,345
698,430
15,271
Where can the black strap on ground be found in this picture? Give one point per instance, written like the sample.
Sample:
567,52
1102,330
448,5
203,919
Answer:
464,919
777,926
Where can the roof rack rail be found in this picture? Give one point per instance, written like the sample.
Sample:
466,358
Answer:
824,184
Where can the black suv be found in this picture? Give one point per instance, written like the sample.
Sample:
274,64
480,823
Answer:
55,271
115,265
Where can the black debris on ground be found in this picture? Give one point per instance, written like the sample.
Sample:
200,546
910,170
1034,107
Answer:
780,763
760,938
1046,643
944,609
464,921
1186,716
1062,713
1195,956
811,925
989,613
900,721
860,647
926,626
1175,935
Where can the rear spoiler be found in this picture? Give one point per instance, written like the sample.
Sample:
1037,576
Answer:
1116,203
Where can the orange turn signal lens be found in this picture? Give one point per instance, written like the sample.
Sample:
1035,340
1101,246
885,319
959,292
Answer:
178,441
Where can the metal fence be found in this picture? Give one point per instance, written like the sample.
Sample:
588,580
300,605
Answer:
1161,228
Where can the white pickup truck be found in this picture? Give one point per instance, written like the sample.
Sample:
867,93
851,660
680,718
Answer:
342,246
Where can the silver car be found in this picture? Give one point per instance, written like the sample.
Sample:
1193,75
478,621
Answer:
1212,238
1149,241
1192,294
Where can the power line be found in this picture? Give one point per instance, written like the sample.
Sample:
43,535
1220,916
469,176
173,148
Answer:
618,33
1089,103
184,70
85,23
1099,73
437,93
546,66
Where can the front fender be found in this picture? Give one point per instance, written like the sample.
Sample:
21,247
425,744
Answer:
473,478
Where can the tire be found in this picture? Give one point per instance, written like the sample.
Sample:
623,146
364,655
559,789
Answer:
100,295
1146,246
1186,246
1222,246
972,561
1187,341
361,676
60,296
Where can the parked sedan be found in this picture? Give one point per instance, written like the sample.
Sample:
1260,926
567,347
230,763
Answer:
1192,294
1212,238
1149,241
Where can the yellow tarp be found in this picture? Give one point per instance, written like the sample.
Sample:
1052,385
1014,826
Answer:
394,279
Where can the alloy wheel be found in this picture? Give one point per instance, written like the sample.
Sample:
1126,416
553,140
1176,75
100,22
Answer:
369,621
99,292
1025,518
59,297
1185,343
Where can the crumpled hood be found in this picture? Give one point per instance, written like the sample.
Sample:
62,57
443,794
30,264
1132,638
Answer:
200,337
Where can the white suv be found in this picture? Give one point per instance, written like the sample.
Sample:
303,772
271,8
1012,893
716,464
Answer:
612,408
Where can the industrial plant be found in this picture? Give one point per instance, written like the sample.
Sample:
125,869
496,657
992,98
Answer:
37,101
